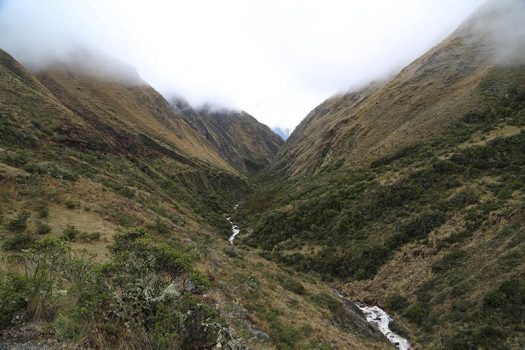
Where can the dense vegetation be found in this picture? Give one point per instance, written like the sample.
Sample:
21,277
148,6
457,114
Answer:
147,293
348,223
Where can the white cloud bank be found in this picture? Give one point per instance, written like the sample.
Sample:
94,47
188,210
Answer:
276,59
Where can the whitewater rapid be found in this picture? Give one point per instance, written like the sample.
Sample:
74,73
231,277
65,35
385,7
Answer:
381,320
235,228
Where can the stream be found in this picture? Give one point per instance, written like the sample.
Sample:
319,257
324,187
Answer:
373,314
235,228
381,320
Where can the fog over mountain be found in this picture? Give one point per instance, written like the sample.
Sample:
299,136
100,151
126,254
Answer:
227,54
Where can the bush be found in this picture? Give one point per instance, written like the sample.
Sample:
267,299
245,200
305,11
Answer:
146,296
449,261
19,224
89,236
70,233
71,204
416,313
14,291
42,228
396,302
17,159
18,242
42,210
159,227
291,284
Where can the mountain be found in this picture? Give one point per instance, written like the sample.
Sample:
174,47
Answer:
409,192
115,216
283,132
239,138
455,78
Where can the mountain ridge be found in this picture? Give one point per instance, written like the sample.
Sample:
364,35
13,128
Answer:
247,144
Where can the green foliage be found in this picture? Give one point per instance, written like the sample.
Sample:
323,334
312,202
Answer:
17,158
19,223
14,290
449,261
52,169
416,313
12,135
159,227
70,233
71,204
411,151
18,242
42,210
291,284
42,228
147,295
89,236
396,302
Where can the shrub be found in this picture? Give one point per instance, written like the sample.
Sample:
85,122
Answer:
71,204
89,236
14,290
449,261
159,227
291,284
70,233
18,242
16,159
42,228
42,210
396,302
19,224
416,313
145,296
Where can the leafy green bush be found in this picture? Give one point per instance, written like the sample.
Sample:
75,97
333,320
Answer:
396,302
42,210
449,261
42,228
70,233
14,291
19,223
71,204
17,159
159,227
416,313
147,295
291,284
18,242
89,236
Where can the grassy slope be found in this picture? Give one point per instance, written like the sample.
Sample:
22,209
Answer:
430,232
237,136
411,193
413,106
74,164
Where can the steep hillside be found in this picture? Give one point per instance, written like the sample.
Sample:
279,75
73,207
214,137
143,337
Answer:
113,230
239,138
410,193
454,78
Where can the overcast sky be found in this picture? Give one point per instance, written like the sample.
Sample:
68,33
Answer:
275,59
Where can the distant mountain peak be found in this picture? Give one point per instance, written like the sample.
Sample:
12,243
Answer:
283,132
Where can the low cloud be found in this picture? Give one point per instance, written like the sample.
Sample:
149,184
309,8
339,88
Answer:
275,59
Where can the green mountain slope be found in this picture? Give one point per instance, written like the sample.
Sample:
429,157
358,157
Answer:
410,193
113,229
428,96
